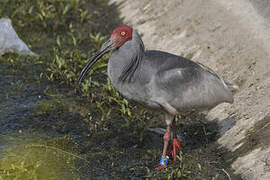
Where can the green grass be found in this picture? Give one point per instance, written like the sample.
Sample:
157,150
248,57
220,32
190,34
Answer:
65,34
54,159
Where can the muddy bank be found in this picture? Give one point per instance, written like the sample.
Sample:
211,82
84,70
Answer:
46,117
47,129
231,37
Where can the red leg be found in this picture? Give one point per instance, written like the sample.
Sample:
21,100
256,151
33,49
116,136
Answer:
164,158
166,139
176,147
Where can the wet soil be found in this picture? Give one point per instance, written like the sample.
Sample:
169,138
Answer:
232,38
33,110
38,113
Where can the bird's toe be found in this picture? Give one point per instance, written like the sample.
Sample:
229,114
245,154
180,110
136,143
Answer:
160,168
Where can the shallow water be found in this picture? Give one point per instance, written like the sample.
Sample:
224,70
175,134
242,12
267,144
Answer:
38,117
45,133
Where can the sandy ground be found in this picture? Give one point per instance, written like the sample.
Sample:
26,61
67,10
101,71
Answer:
232,38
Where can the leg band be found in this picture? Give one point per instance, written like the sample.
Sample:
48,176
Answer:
164,160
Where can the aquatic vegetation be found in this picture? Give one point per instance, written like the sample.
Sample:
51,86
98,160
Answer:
51,159
46,107
65,34
176,171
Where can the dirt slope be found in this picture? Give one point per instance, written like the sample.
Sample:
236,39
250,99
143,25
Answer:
233,38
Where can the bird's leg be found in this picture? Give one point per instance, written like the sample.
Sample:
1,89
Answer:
166,138
176,147
164,158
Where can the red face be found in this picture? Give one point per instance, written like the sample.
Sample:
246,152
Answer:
120,35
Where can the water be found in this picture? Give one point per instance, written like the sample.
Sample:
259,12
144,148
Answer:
45,134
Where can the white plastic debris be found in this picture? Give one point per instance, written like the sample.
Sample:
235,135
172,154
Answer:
9,40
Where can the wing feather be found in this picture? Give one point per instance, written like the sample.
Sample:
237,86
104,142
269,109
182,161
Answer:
192,87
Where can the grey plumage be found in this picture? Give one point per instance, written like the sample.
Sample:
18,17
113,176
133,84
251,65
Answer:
159,77
160,80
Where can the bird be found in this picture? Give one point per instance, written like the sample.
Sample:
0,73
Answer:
160,81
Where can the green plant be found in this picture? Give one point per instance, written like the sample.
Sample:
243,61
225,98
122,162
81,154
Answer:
66,34
53,159
51,15
178,171
215,177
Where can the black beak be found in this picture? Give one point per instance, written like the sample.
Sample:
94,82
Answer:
106,47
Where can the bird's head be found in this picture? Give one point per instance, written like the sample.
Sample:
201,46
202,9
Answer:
119,36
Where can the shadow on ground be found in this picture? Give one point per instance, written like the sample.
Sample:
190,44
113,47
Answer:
46,131
36,113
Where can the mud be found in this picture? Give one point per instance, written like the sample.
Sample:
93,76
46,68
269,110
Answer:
232,38
35,112
52,119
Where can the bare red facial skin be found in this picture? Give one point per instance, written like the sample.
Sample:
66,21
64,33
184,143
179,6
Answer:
120,35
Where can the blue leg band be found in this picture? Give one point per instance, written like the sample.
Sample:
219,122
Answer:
164,160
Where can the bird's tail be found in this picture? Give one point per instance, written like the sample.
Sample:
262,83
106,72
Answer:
232,86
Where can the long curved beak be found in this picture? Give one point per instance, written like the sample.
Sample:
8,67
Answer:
106,47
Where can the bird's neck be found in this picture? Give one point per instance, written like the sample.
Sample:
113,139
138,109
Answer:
125,61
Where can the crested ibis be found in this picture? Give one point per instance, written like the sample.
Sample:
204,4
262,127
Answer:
159,80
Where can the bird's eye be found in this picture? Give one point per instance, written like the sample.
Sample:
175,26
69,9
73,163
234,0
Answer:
123,33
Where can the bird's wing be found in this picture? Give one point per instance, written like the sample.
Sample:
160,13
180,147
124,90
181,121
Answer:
191,87
178,79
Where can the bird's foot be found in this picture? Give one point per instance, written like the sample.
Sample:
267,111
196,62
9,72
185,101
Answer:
163,163
160,168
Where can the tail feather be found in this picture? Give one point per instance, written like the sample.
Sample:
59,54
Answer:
232,86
